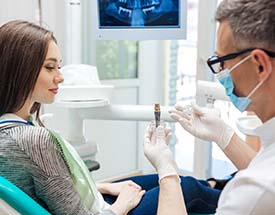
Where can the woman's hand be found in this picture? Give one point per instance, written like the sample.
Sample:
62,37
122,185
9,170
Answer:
128,198
114,189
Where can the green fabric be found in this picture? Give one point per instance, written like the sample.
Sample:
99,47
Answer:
82,180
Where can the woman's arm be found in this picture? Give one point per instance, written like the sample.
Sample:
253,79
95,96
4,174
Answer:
51,177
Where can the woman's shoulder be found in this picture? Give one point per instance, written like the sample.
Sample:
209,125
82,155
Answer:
41,148
30,131
32,136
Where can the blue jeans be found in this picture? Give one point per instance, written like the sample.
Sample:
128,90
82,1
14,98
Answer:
199,197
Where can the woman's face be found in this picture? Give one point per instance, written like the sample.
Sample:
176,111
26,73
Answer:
46,86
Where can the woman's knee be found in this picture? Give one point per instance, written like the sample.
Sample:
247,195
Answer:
189,180
191,186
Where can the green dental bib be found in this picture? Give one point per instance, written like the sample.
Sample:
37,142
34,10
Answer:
80,174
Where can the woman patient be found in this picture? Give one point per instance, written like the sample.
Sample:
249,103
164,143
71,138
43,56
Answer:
32,157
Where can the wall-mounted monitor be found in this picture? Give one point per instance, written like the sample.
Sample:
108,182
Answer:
139,19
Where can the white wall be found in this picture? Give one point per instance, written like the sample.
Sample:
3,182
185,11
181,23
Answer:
14,9
53,16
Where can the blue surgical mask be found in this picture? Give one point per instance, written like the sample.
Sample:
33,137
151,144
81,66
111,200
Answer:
225,79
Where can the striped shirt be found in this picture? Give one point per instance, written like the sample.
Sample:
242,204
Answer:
30,159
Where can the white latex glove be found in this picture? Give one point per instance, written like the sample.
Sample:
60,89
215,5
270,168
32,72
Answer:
157,151
204,123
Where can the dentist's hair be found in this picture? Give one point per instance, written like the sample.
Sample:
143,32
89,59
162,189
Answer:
23,49
252,22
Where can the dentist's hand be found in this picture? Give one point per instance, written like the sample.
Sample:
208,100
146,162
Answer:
158,153
203,123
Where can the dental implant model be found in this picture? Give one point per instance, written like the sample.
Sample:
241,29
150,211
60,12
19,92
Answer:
157,114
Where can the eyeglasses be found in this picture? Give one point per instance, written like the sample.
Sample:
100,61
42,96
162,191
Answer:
216,63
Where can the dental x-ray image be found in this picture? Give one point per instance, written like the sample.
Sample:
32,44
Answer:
139,13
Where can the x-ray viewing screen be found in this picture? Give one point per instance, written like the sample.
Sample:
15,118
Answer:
115,14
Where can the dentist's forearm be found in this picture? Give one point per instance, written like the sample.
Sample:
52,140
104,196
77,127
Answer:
239,152
170,197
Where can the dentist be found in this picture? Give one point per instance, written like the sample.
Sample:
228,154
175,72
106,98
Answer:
244,64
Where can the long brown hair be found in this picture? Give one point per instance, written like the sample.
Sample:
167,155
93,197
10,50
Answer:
23,49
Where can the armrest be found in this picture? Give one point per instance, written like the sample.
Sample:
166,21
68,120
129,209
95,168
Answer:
92,165
19,200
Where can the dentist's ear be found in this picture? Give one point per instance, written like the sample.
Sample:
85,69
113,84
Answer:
261,68
263,64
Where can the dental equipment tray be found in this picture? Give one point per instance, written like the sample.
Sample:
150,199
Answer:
84,92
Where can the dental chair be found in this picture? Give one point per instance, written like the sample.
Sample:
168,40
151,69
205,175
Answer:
13,201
